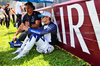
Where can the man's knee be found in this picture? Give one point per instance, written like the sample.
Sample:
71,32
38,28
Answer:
35,36
23,36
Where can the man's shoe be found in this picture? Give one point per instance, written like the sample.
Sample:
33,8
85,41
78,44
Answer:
20,55
17,51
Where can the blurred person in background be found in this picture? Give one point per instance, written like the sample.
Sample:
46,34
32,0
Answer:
13,15
2,15
24,12
18,11
7,15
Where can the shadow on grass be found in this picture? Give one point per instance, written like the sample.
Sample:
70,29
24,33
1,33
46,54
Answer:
9,33
6,57
62,58
56,58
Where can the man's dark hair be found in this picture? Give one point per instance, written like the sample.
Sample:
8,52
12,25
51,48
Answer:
29,3
8,4
50,18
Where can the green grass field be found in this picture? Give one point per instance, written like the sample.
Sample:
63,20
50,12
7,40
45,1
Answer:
56,58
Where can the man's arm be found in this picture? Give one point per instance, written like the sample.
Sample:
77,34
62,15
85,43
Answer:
21,8
12,11
20,29
5,13
36,25
49,29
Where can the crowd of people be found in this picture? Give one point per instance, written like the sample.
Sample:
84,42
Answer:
31,29
6,12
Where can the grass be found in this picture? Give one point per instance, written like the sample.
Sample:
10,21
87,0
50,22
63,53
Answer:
56,58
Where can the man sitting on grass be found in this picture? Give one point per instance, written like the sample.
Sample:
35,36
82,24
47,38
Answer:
30,19
44,37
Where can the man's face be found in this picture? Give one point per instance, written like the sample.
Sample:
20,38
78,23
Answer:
7,5
29,9
44,19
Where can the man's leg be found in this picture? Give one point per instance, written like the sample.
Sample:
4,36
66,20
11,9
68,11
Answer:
16,21
23,37
13,18
27,47
24,34
19,19
22,47
43,46
6,21
1,21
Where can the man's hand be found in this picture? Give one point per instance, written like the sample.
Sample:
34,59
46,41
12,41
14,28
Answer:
14,38
25,27
20,29
27,23
7,16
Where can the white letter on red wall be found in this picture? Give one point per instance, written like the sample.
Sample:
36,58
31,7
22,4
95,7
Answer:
76,27
94,19
63,25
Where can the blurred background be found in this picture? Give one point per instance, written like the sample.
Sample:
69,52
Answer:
37,5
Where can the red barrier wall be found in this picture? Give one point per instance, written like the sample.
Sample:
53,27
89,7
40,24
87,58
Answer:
79,28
